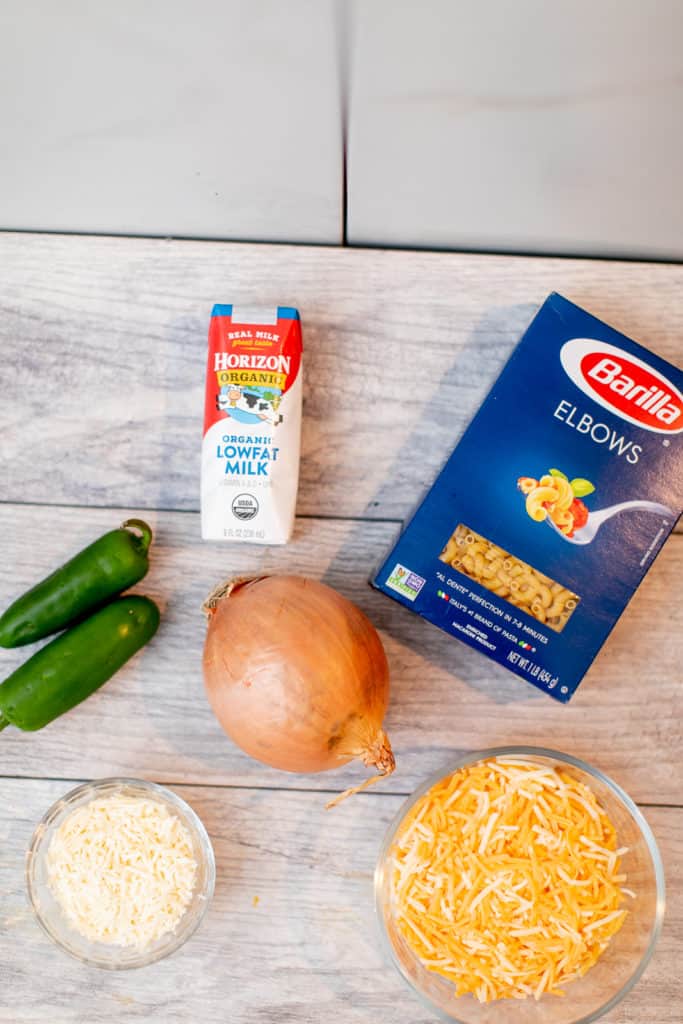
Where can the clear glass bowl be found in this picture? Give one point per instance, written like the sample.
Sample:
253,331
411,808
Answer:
49,912
620,966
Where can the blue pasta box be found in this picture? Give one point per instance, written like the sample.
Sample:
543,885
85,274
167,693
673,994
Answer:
554,503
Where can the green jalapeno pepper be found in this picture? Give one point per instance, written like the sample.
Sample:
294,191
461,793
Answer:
74,664
105,568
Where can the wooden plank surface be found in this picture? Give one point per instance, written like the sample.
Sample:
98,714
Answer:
400,349
103,344
153,720
307,953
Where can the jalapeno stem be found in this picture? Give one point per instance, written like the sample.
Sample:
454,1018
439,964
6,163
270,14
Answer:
4,722
145,530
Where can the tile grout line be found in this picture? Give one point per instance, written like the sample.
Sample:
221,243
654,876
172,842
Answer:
342,25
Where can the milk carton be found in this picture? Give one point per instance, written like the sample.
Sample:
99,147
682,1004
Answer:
252,424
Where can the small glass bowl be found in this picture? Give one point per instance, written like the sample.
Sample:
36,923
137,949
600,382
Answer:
617,970
48,911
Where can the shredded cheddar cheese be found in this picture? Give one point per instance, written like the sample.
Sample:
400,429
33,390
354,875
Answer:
122,870
505,879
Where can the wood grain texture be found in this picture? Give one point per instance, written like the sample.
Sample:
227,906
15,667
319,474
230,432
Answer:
152,719
307,953
103,344
400,349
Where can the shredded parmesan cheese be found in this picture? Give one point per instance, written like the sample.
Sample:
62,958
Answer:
122,870
505,880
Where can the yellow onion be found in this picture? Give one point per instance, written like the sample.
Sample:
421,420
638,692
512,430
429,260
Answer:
297,675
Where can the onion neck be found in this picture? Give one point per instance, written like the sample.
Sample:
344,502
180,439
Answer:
379,754
225,589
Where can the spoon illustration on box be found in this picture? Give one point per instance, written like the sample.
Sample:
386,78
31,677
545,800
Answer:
587,533
557,501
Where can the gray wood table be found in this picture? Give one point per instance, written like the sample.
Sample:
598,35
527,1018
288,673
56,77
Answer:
103,348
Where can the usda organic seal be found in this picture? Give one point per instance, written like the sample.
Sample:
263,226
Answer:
244,507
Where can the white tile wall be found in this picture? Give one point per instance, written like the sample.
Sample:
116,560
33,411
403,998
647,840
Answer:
542,125
216,118
521,125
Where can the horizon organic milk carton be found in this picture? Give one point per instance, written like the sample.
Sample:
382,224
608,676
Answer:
252,424
554,503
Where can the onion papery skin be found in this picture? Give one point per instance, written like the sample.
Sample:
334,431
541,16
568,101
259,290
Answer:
296,674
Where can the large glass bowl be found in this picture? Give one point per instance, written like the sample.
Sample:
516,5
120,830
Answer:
620,966
49,912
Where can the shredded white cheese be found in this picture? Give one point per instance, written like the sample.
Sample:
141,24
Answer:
122,870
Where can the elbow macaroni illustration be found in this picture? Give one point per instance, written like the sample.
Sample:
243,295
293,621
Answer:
508,577
557,498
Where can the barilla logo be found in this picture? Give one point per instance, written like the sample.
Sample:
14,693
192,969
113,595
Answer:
624,384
